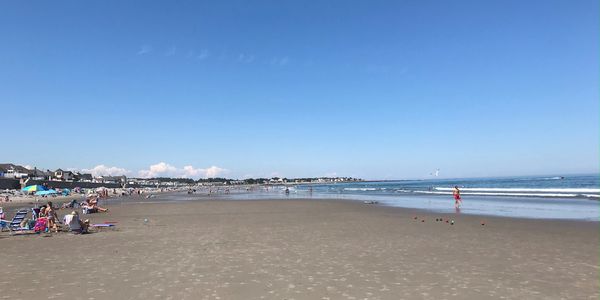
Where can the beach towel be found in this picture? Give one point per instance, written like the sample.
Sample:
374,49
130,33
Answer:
41,224
103,225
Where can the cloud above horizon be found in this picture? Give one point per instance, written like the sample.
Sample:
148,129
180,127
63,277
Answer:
163,169
105,170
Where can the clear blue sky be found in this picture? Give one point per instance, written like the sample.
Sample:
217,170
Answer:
372,89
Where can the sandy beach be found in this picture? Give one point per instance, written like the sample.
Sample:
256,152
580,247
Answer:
302,249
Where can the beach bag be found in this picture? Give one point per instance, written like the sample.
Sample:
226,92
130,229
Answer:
40,225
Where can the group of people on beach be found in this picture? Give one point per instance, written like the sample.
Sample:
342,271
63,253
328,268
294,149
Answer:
48,212
48,220
45,217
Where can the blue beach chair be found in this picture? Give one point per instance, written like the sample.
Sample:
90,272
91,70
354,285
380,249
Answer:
15,224
18,218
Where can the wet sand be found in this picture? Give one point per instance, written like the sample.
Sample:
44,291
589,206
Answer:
302,249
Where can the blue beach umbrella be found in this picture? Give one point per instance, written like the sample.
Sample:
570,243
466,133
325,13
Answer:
48,192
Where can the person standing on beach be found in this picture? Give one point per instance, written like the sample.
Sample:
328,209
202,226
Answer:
456,194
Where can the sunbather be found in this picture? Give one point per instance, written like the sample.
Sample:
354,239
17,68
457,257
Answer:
42,213
71,204
3,222
94,203
91,206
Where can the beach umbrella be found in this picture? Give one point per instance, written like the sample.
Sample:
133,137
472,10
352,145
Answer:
33,188
48,192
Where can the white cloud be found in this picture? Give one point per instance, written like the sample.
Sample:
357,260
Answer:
144,49
105,170
163,169
214,171
203,54
245,58
159,169
280,61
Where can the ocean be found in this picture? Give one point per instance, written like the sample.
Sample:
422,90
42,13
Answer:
581,186
552,197
573,197
570,197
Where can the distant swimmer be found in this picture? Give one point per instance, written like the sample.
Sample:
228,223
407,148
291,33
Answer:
456,194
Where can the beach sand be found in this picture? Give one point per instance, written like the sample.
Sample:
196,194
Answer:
302,249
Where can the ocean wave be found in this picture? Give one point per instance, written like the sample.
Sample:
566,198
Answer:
539,178
504,194
591,195
514,190
360,189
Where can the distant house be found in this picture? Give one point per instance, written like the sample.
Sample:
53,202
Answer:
83,177
276,180
13,171
38,174
61,175
112,179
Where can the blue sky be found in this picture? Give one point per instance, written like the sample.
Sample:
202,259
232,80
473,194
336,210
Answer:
371,89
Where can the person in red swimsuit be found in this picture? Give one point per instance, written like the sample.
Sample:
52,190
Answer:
456,194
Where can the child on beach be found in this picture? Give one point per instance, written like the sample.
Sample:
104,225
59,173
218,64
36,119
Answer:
456,194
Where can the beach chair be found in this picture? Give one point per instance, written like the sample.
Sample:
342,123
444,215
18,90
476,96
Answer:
35,213
15,224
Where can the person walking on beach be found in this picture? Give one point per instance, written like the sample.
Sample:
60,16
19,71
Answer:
456,194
